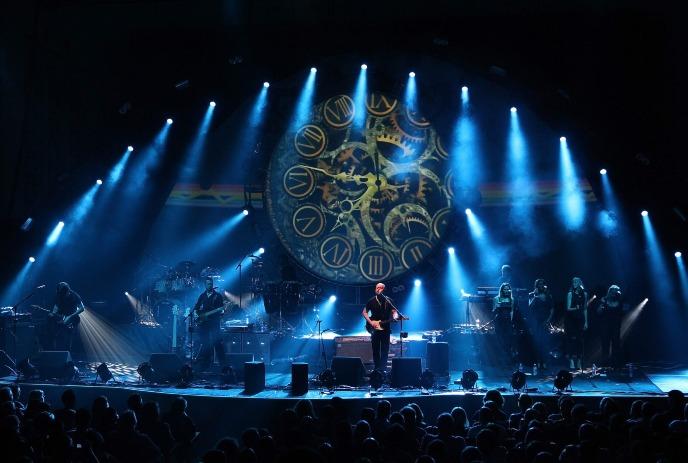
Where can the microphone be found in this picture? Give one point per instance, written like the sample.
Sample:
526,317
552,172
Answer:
40,287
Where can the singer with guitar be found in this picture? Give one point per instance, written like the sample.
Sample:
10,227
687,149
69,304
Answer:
209,310
382,313
65,316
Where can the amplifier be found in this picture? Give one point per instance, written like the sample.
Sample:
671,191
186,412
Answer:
359,346
257,344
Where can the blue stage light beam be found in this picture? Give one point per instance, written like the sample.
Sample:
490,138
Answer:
493,255
214,236
13,291
609,219
148,159
195,150
115,175
415,308
682,277
304,103
410,94
466,149
360,93
519,178
248,137
55,234
83,206
326,311
572,204
659,271
456,279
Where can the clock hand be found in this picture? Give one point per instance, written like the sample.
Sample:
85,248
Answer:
339,176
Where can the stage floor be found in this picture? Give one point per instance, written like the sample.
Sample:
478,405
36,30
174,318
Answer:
648,382
227,411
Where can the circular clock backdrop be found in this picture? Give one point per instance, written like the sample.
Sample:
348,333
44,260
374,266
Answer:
360,198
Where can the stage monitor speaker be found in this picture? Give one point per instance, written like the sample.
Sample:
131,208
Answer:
51,363
348,371
299,378
406,371
254,377
236,361
437,358
166,366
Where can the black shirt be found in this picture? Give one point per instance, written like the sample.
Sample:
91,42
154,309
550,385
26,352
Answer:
67,304
206,303
380,309
540,309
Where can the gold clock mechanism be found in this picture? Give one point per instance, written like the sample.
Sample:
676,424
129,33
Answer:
360,199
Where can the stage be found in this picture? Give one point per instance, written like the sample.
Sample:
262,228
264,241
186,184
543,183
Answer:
227,410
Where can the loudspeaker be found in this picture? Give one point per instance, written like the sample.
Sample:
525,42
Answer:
299,378
406,371
236,361
437,358
348,370
254,377
51,363
166,366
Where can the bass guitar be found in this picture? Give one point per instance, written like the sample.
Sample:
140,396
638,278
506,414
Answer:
203,317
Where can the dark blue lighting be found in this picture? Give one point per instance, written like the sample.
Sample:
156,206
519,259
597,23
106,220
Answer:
572,204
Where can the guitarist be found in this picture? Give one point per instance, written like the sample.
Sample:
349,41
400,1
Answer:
382,312
68,305
209,309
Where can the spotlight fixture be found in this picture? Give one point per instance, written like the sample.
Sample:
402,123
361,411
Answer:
245,211
677,254
412,74
130,148
377,379
464,89
103,373
69,373
333,298
364,66
169,120
261,250
228,375
468,211
146,372
212,104
99,182
451,250
513,109
518,380
468,379
562,139
186,374
32,259
26,369
314,70
563,380
266,84
417,282
644,213
427,379
603,171
126,293
327,379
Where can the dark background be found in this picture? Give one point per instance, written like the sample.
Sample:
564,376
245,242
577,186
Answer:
82,80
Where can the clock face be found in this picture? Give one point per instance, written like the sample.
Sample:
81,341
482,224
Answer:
360,198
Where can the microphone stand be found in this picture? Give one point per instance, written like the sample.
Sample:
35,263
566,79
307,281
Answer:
14,322
401,319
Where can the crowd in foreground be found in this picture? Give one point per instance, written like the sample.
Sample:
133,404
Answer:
35,431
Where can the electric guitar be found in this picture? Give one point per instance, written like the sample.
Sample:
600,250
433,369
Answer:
378,325
60,320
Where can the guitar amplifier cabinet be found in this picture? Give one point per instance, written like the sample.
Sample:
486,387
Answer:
257,344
